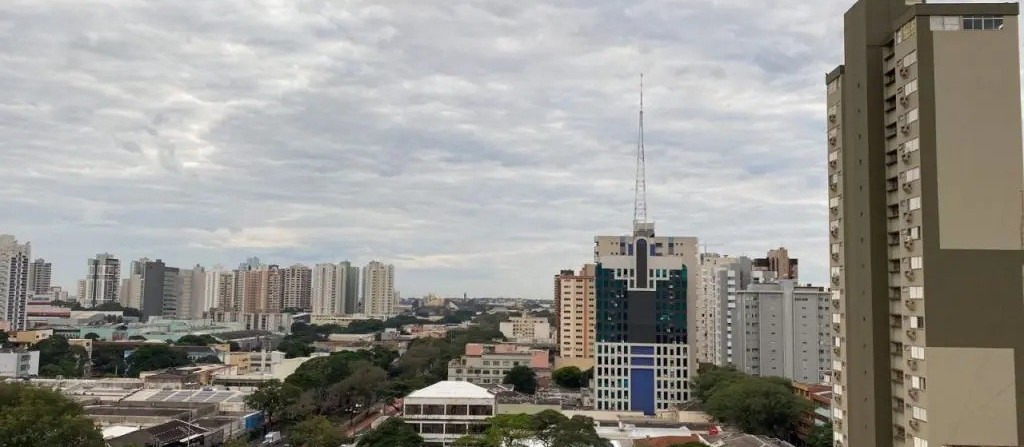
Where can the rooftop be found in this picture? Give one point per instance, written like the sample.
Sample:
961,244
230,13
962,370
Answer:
451,389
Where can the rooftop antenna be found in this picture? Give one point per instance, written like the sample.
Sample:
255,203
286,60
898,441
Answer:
641,227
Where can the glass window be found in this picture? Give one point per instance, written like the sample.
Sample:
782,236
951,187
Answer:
911,87
914,203
912,174
912,145
910,59
920,413
917,352
944,23
912,115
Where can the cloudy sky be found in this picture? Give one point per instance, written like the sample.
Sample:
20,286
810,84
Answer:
477,145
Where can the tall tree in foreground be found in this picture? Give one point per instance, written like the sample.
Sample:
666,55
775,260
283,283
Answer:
393,432
37,417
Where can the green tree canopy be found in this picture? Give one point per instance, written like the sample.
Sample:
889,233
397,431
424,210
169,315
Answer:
522,378
364,327
58,358
273,398
92,336
710,377
402,320
197,340
38,417
210,359
293,348
393,432
316,432
155,356
569,377
757,405
821,436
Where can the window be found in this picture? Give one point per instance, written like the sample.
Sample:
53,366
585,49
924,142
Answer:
916,262
918,442
917,352
837,342
945,23
982,22
836,318
837,413
833,225
836,271
913,115
915,292
833,86
833,156
912,174
910,59
918,383
912,145
914,203
917,322
837,389
906,31
911,87
920,413
837,365
914,233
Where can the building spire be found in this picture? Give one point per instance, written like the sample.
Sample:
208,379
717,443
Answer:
640,224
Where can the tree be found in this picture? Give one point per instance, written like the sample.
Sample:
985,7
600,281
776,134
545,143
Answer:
364,327
821,436
155,356
402,320
393,432
272,398
137,337
294,348
757,405
58,358
24,409
522,378
569,377
197,340
237,442
4,338
92,336
709,377
210,359
316,432
360,388
576,432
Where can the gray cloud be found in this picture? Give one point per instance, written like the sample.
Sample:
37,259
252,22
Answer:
478,145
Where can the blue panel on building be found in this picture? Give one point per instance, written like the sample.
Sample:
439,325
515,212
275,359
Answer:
641,390
642,350
642,361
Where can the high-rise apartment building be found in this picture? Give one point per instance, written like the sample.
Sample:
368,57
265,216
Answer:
708,322
130,293
925,178
779,263
219,292
783,331
335,289
193,293
296,282
379,290
102,280
261,290
14,290
40,275
160,292
575,312
80,290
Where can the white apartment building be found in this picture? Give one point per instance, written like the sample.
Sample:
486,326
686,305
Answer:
379,290
40,275
219,292
784,331
335,289
14,364
102,280
14,290
526,329
709,321
446,411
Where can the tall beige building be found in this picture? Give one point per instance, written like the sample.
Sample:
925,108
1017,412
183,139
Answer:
296,284
102,281
14,279
379,296
261,290
925,180
709,319
575,311
335,289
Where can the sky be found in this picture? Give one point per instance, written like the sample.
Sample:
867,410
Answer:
477,145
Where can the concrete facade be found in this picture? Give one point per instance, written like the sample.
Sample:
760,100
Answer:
296,287
488,364
784,331
16,364
379,297
925,178
335,289
709,316
575,309
526,329
14,278
102,280
40,277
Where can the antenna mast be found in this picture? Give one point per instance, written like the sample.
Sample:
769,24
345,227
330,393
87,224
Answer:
640,223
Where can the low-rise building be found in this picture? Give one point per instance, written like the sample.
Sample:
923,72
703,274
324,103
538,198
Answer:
18,363
446,411
340,320
487,364
31,337
820,410
185,377
527,329
273,322
426,330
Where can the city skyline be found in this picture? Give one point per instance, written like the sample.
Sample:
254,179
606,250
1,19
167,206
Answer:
368,153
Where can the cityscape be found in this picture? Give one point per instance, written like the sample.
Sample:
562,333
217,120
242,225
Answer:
655,336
